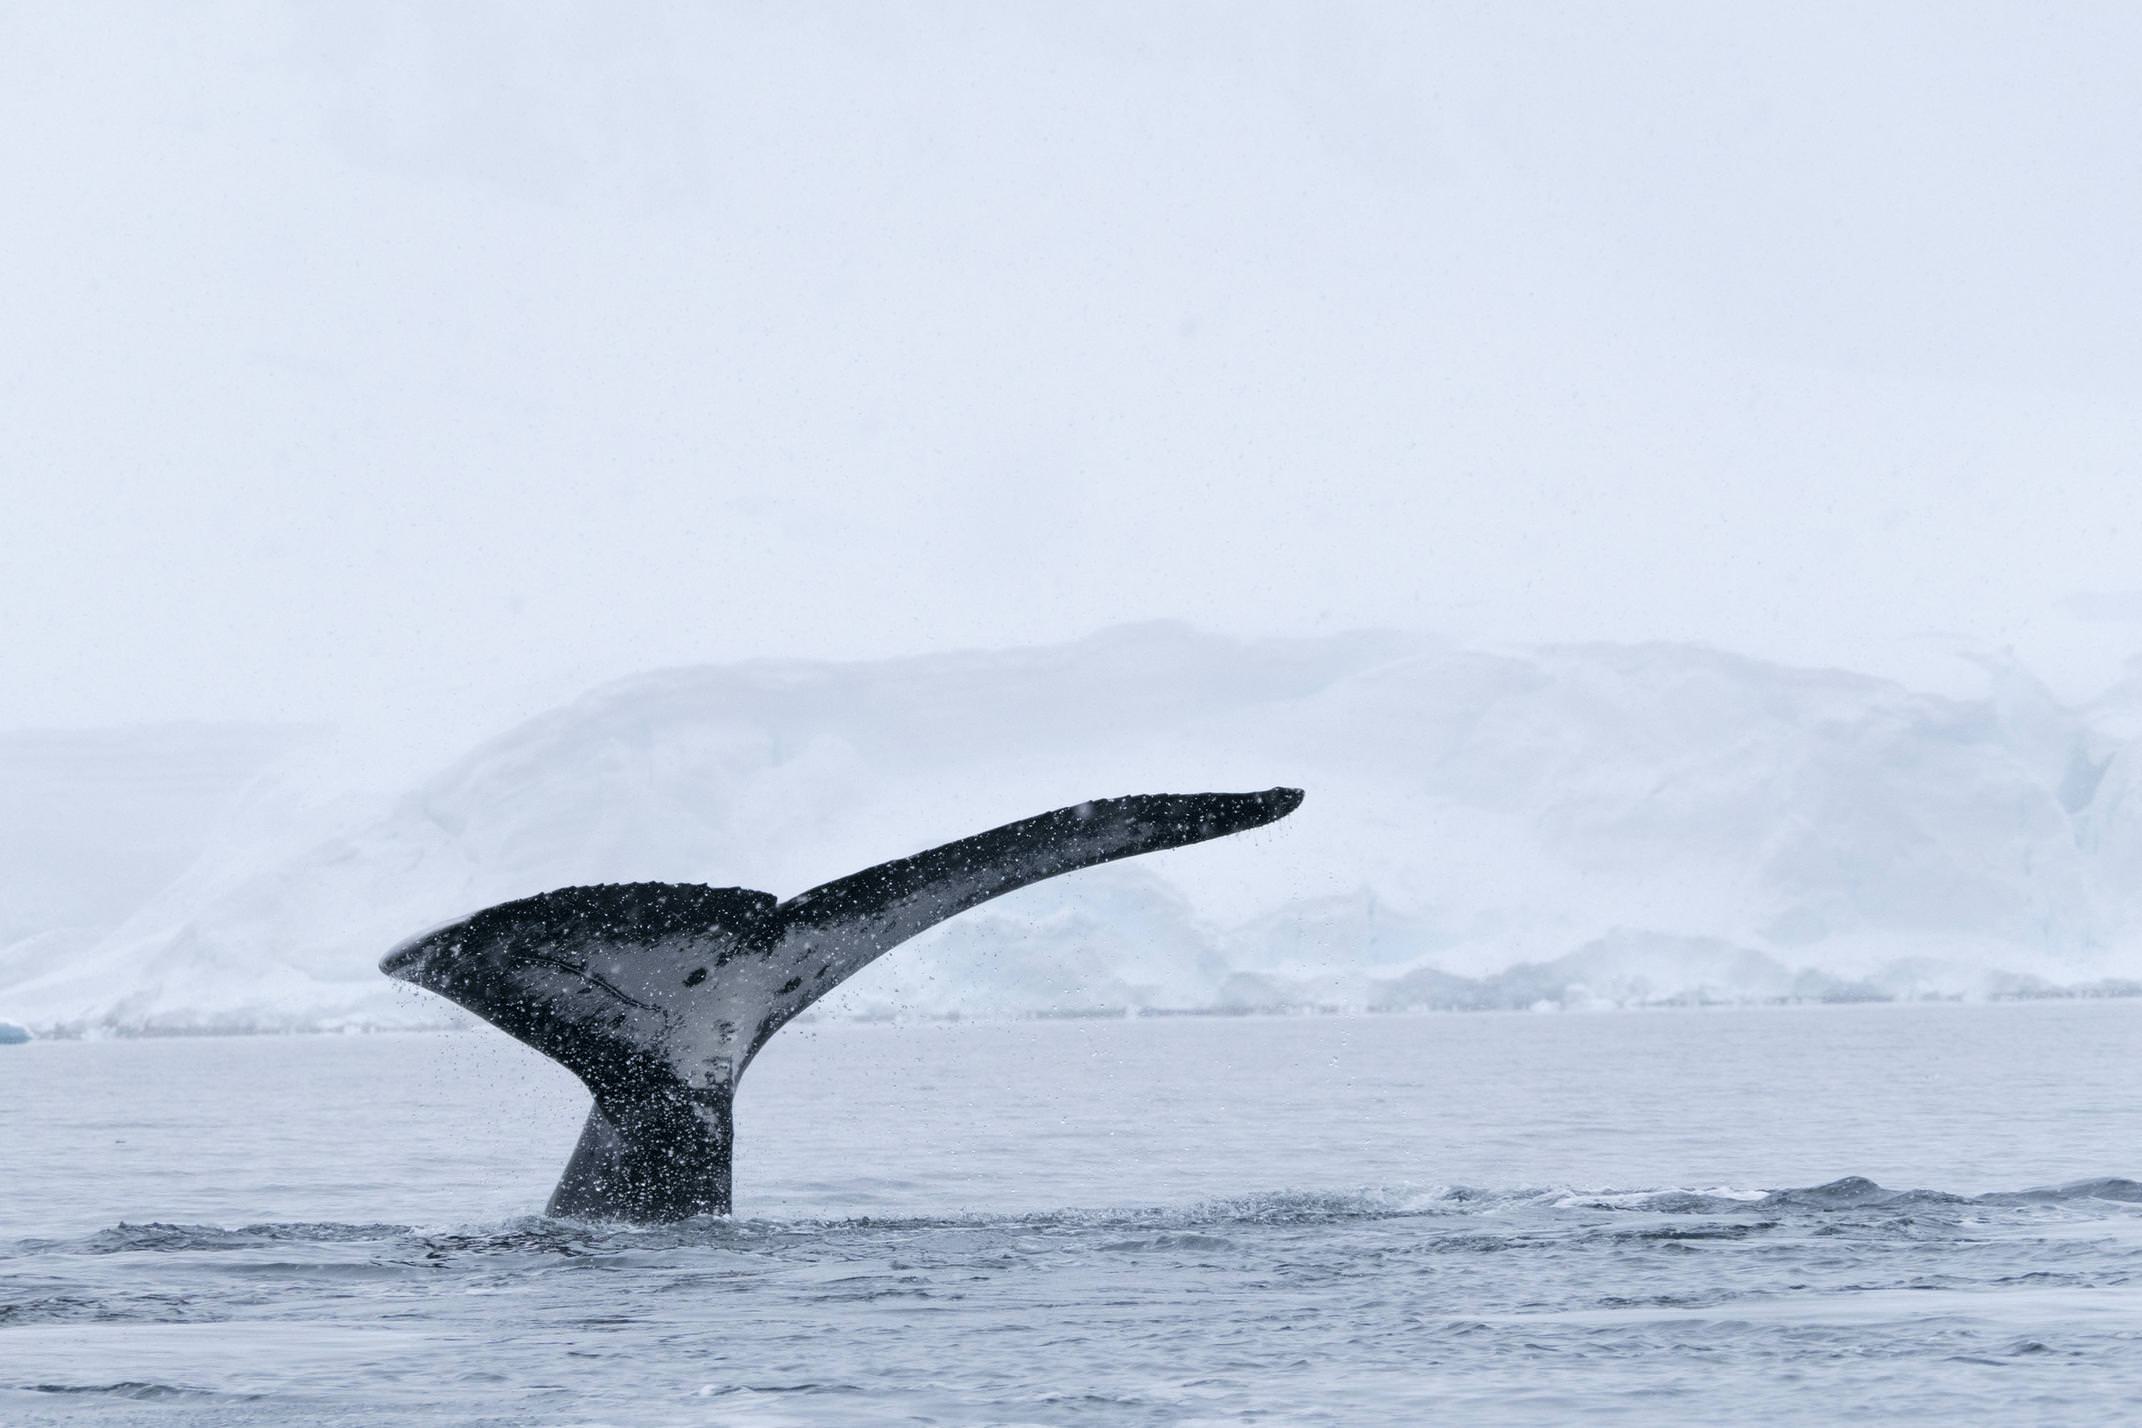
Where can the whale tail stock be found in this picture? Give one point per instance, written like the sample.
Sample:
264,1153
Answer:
657,995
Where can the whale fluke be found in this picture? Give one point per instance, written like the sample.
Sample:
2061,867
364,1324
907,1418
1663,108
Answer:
657,995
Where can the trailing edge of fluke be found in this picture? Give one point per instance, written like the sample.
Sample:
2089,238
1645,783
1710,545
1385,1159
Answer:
657,995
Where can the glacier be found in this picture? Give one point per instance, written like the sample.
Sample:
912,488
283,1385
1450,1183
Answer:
1545,827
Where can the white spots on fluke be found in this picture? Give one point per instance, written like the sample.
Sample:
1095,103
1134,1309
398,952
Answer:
661,1041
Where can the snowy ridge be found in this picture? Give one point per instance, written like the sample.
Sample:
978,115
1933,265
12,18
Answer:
94,818
1572,826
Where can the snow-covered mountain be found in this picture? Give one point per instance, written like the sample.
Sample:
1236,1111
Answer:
94,822
1569,825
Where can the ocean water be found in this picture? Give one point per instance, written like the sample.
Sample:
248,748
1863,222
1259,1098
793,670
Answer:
1789,1215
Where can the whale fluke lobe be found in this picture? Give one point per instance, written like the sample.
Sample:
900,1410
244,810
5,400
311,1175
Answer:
657,995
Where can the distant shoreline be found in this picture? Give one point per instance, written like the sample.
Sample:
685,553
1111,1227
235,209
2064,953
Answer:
14,1033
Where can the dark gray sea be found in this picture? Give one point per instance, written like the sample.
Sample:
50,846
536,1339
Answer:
1863,1214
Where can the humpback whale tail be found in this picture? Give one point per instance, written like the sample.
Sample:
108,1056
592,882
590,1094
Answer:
657,995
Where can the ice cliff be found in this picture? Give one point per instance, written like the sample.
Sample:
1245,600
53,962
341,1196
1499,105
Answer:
1568,826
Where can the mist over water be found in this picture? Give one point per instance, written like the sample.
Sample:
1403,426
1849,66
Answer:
1884,1212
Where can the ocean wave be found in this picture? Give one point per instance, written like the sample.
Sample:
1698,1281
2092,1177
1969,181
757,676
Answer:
1180,1226
137,1389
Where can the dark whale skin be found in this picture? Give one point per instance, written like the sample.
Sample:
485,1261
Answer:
657,995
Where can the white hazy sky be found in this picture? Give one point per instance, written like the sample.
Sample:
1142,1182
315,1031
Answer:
391,363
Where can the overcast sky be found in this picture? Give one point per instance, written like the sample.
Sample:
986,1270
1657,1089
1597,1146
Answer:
401,362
